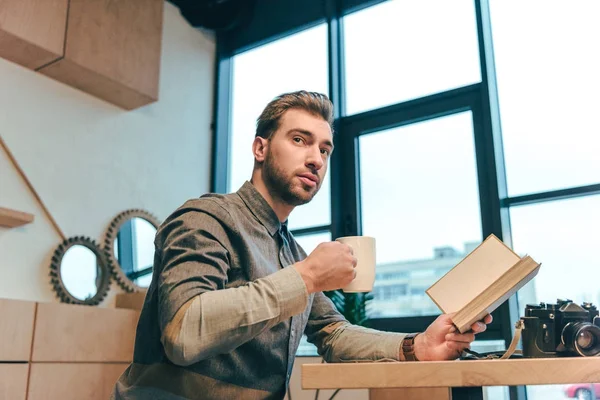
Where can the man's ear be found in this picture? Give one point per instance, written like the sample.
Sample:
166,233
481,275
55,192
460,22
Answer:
259,148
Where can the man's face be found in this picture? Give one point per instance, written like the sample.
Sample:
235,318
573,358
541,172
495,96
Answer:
297,157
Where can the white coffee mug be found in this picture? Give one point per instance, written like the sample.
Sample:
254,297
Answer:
364,251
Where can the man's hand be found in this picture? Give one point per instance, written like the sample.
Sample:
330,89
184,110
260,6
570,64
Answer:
442,341
329,267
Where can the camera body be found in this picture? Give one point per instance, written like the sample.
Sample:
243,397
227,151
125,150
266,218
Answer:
561,329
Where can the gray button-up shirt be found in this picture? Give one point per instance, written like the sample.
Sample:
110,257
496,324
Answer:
226,259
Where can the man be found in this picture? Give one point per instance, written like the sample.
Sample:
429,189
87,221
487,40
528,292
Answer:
232,292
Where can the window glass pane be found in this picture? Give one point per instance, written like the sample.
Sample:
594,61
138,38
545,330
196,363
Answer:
420,201
548,80
144,281
402,50
306,349
564,237
309,243
258,76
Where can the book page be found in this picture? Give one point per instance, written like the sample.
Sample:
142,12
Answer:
477,271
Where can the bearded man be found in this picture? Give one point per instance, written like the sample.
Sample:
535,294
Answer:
232,292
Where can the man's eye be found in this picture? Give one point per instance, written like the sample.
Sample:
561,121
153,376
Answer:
298,139
325,152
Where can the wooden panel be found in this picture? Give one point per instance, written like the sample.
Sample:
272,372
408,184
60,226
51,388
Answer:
70,333
134,301
13,218
411,394
97,85
16,329
73,381
113,50
452,373
32,32
13,381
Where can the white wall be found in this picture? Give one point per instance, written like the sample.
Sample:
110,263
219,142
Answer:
90,160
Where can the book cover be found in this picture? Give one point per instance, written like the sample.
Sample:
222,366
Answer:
480,282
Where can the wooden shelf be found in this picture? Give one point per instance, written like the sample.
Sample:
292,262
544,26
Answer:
13,218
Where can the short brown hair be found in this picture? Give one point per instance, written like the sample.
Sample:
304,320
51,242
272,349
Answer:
315,103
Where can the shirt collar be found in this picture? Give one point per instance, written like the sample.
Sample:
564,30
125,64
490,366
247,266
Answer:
258,206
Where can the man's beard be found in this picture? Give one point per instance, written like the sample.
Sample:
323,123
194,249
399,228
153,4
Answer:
282,187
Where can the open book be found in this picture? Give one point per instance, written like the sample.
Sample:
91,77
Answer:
481,282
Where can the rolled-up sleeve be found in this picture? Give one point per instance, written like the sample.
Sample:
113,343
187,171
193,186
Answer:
337,340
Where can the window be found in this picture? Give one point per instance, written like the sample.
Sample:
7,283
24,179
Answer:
419,192
392,275
311,241
562,235
548,80
293,63
418,291
410,175
402,50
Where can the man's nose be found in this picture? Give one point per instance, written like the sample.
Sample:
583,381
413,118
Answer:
314,159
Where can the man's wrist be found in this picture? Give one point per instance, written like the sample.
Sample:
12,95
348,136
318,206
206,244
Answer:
409,346
302,271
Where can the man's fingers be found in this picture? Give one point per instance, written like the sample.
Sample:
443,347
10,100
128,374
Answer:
460,338
458,346
350,249
478,327
488,319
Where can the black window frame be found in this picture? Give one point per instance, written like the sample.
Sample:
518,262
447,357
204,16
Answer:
276,19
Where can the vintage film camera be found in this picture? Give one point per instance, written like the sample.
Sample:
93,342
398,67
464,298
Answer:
561,329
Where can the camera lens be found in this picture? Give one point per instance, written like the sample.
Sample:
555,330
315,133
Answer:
582,338
585,340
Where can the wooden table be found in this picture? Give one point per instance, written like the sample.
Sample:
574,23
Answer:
448,379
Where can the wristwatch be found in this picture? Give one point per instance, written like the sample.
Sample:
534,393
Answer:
408,347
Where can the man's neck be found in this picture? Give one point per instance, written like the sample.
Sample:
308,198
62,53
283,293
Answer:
282,209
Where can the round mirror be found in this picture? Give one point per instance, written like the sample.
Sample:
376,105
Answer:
129,247
79,273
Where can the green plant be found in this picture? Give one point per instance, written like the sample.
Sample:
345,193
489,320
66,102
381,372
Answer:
353,306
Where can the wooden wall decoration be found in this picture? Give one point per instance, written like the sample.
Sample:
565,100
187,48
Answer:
108,48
